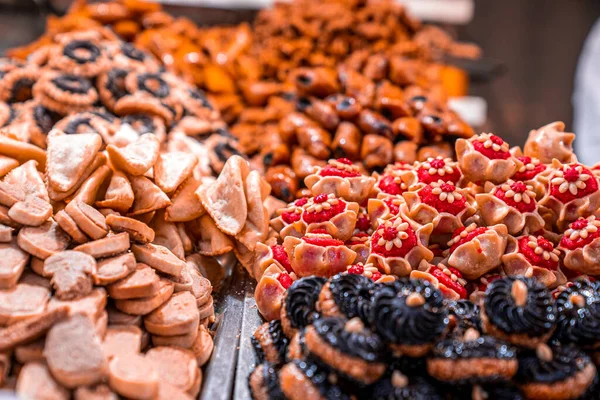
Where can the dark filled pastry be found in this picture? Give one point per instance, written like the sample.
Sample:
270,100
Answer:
578,311
299,304
303,379
519,310
270,343
463,314
399,387
264,383
347,295
557,373
410,315
347,347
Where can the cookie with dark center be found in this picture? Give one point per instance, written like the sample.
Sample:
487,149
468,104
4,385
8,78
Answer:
473,359
17,84
111,86
347,347
463,315
65,93
410,315
133,52
298,308
347,295
397,386
578,311
302,379
519,310
153,84
270,343
72,84
556,373
81,51
264,383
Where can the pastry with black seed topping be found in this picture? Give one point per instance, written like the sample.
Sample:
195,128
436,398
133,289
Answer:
557,373
519,310
347,295
463,315
264,383
400,387
410,315
473,359
488,391
270,343
347,347
299,304
578,310
303,380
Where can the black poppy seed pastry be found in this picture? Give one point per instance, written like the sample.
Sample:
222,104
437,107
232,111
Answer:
578,311
304,380
86,122
263,382
472,359
270,343
347,295
81,57
487,391
65,93
410,366
518,310
220,149
400,387
111,86
410,315
298,308
148,82
562,372
347,347
464,314
144,103
17,84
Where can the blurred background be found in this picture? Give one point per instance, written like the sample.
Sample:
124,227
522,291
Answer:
531,48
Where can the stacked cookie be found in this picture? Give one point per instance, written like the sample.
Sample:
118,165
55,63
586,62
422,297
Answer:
350,337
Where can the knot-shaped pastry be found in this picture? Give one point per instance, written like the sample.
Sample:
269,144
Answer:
399,245
299,304
347,295
447,279
342,178
410,315
476,250
578,310
581,246
519,310
485,157
550,142
533,257
512,204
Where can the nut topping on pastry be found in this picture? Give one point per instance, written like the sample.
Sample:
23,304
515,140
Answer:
491,146
517,194
530,168
572,181
438,168
581,233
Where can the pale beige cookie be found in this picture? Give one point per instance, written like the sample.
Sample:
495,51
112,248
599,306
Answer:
133,376
22,302
147,196
36,382
167,235
185,341
91,305
166,391
71,273
99,161
121,340
203,346
213,241
30,329
177,367
101,324
88,219
195,390
257,224
6,233
70,227
146,305
116,317
119,194
37,265
88,190
31,352
13,263
32,211
31,278
159,258
6,220
207,309
22,152
110,270
74,352
178,316
7,164
186,241
135,158
97,392
138,231
44,240
183,282
143,282
68,156
201,288
22,182
185,205
171,169
106,247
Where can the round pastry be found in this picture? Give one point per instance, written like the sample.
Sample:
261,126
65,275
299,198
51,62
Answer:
264,383
409,315
111,86
270,343
578,311
303,379
463,314
519,310
299,304
64,93
81,57
556,373
474,359
347,295
399,387
347,347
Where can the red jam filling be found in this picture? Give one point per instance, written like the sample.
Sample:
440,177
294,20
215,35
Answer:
330,170
581,223
447,281
518,188
389,234
322,241
425,177
572,175
483,286
356,269
363,223
490,152
323,215
470,236
394,208
428,197
285,280
289,217
528,174
376,275
388,185
354,242
538,259
281,257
